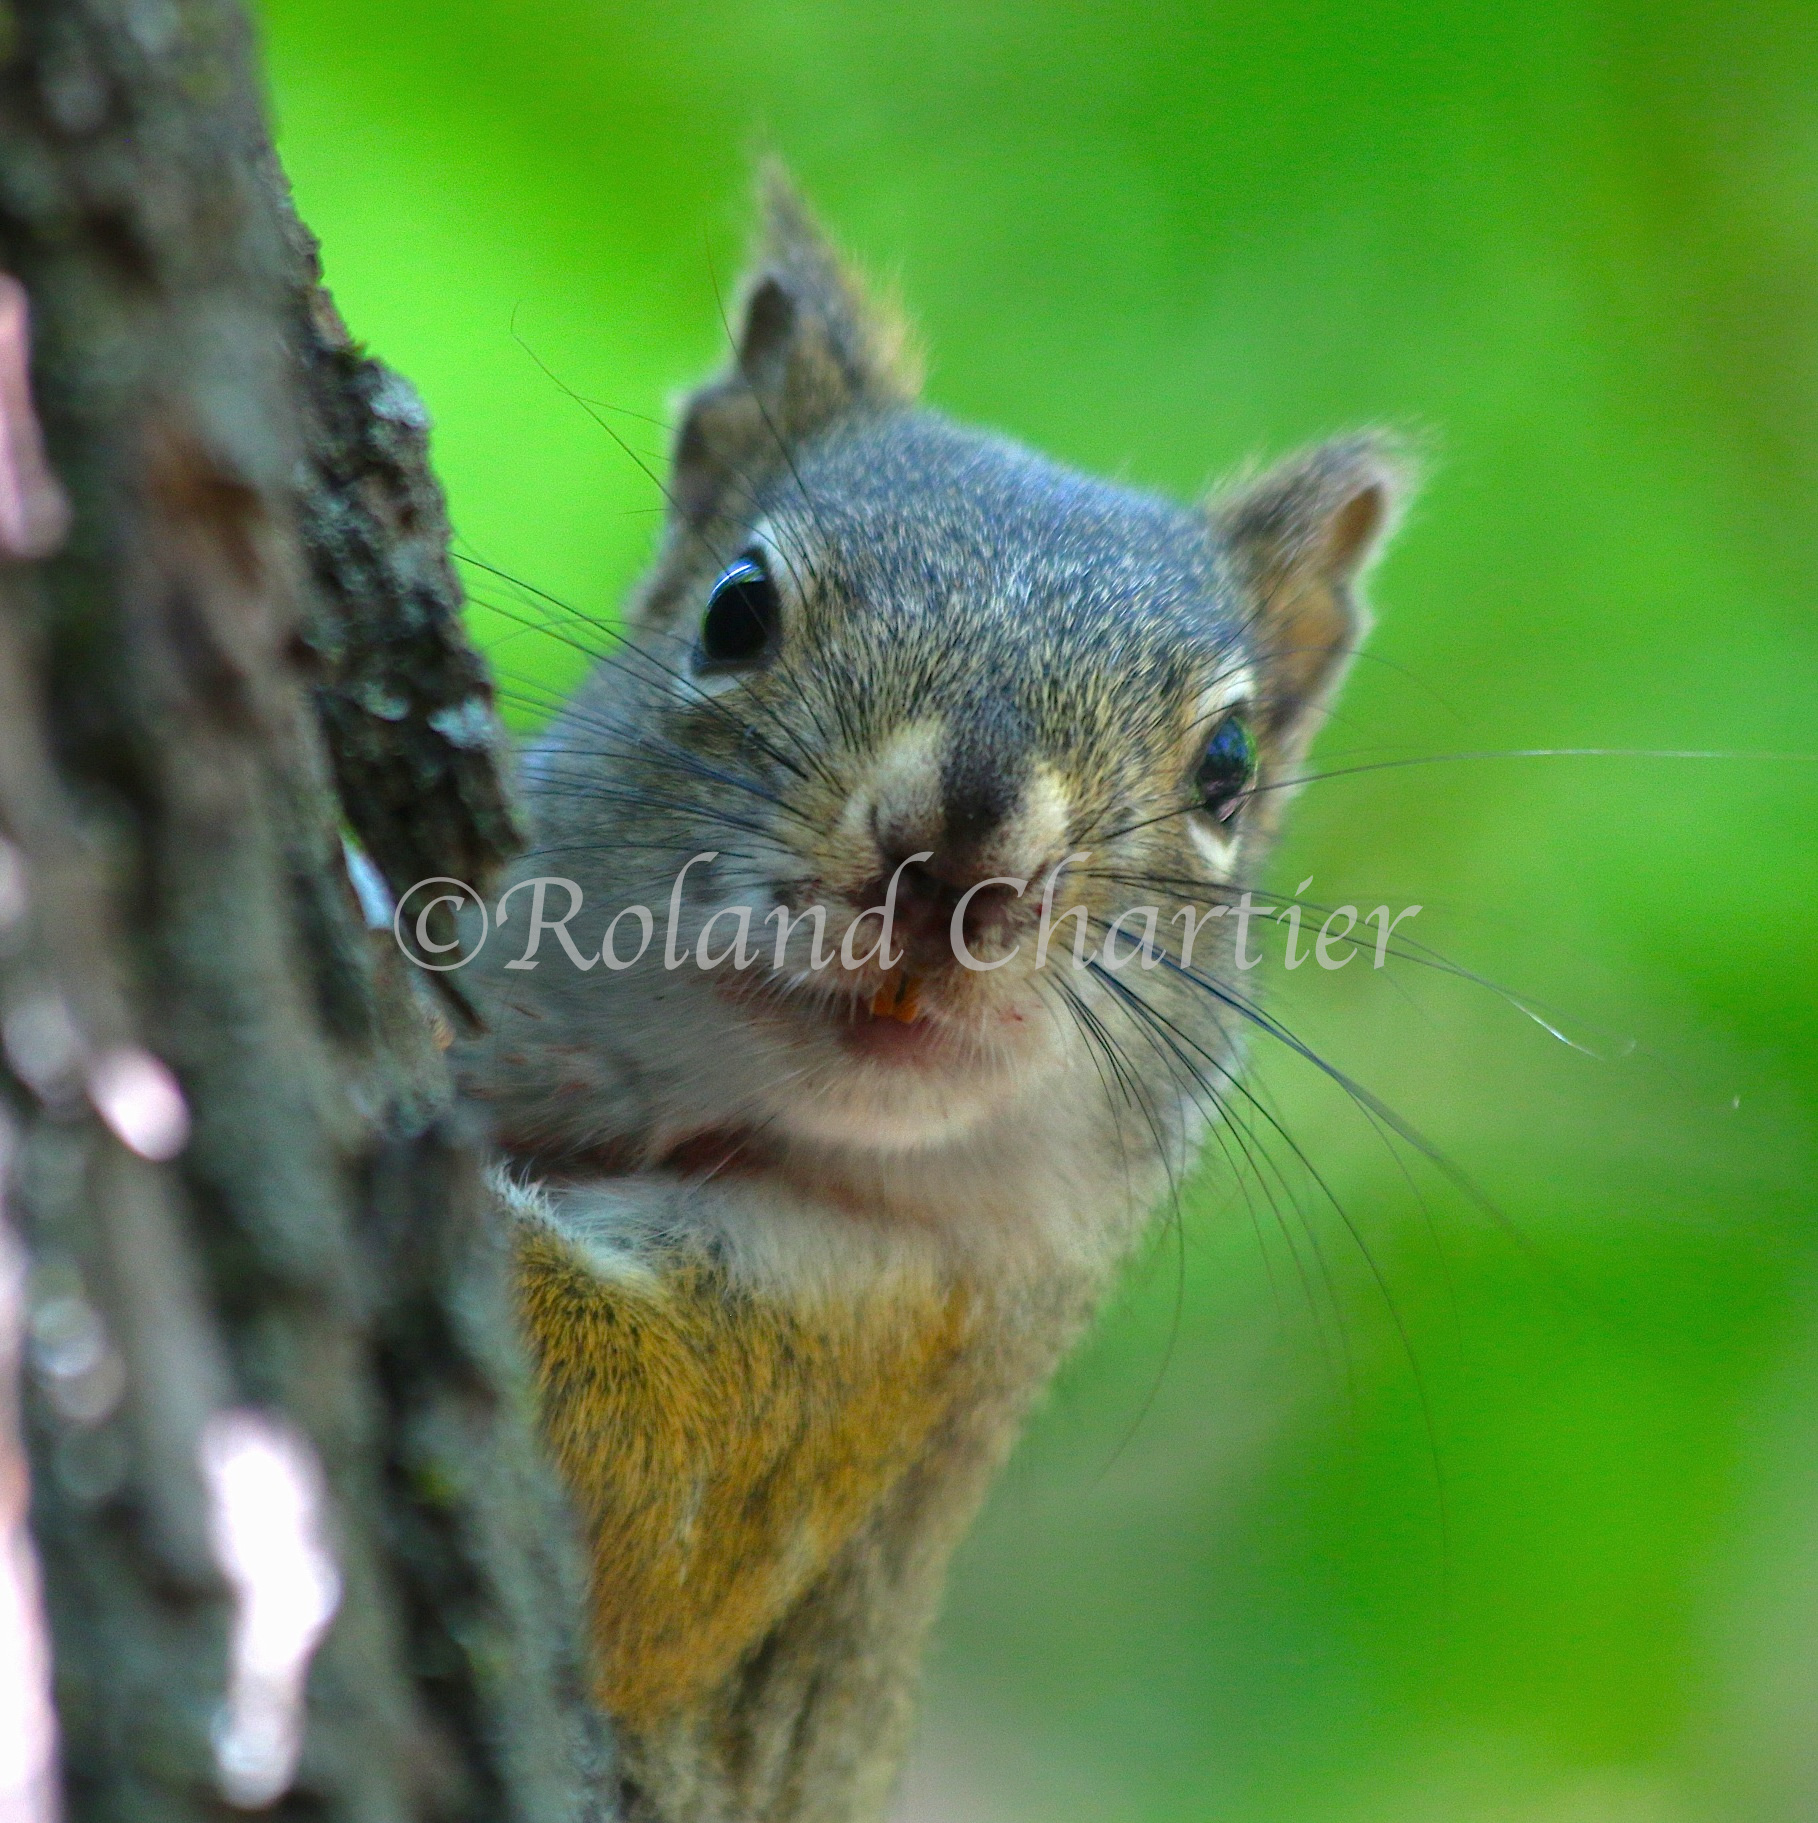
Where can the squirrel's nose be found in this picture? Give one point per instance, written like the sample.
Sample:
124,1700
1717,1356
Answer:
953,803
928,893
963,826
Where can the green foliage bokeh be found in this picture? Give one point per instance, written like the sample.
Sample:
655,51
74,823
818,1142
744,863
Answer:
1366,1502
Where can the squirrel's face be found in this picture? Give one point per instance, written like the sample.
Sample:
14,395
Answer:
939,679
984,754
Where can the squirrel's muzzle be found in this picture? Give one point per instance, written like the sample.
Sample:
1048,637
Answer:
958,812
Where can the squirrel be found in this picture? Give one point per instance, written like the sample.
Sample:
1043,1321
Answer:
800,1233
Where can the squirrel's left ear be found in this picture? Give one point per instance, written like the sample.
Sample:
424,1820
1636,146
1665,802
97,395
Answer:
1300,538
812,348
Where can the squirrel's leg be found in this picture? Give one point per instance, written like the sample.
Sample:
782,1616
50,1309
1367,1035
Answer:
813,1727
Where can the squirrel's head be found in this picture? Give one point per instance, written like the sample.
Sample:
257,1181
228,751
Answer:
884,660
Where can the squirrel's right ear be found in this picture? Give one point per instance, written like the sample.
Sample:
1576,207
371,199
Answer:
812,348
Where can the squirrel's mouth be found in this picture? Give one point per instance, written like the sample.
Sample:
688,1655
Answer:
893,1026
900,998
912,1019
902,1018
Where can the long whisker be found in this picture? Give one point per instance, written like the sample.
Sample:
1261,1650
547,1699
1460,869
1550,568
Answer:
1531,753
805,762
678,757
1215,1096
1551,1019
1154,1023
1153,1014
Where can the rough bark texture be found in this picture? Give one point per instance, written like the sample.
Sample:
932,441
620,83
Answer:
249,639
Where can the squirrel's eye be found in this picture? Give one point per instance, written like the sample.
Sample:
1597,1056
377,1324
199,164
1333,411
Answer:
743,616
1228,768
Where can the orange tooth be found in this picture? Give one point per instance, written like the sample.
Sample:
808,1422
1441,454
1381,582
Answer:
898,998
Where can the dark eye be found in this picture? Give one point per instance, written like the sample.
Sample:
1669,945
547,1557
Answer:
743,616
1228,768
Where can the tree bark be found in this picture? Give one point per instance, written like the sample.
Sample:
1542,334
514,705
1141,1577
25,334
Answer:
249,639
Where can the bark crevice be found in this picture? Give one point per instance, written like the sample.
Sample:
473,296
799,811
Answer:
249,641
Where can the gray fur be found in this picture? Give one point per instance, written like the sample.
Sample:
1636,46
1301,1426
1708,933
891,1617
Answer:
1044,626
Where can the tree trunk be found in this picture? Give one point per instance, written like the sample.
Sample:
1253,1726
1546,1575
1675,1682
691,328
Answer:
256,1232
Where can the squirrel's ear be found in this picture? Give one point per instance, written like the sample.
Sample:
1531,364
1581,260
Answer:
1300,537
812,348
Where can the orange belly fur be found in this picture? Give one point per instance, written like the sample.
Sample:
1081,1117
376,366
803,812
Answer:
720,1449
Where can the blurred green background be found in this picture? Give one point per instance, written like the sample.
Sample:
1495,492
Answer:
1497,1524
